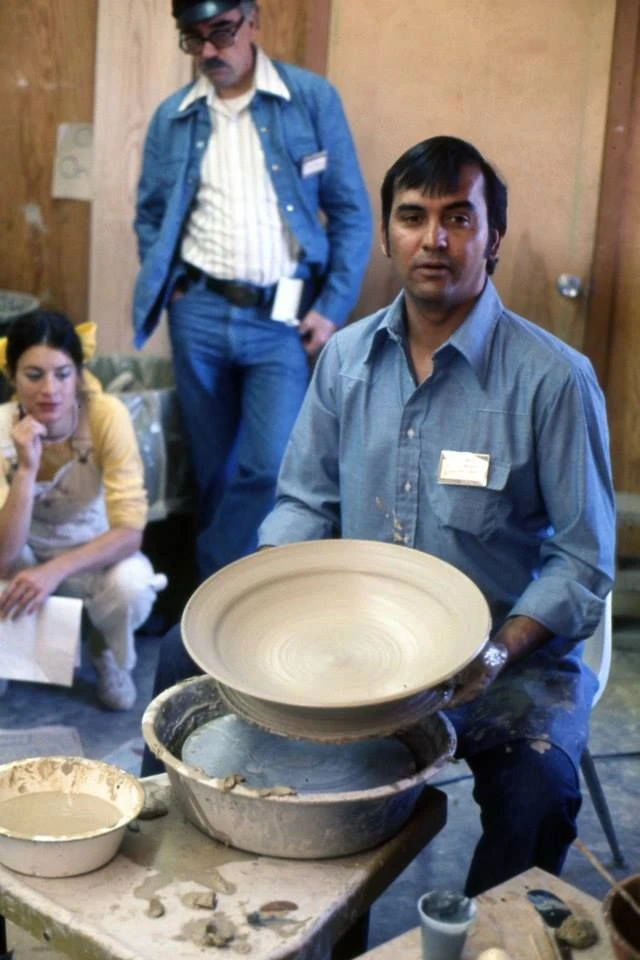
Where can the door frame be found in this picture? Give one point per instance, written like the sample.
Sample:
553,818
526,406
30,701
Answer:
625,73
318,31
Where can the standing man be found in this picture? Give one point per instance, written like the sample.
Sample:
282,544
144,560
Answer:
448,424
254,230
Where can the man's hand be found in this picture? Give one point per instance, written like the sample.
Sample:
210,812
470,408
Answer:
517,637
28,590
314,331
479,675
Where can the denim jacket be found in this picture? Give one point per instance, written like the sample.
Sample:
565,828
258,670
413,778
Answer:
334,254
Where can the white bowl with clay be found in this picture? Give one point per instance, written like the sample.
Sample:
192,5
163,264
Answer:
64,816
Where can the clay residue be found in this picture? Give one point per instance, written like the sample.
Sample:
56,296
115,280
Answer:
156,802
578,932
277,792
155,908
231,781
201,900
217,931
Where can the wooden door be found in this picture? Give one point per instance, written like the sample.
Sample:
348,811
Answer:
525,82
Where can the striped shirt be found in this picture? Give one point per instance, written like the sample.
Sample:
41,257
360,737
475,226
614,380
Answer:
235,231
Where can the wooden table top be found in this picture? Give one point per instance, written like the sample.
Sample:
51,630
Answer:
506,919
103,915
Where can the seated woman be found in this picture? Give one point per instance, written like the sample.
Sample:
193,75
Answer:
72,499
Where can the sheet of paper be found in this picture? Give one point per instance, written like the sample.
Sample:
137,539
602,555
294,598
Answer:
42,647
72,165
287,300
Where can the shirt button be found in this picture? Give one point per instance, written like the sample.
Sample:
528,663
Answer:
275,166
407,487
200,144
264,129
411,433
289,208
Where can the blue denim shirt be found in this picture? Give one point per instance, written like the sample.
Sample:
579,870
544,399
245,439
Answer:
538,539
334,254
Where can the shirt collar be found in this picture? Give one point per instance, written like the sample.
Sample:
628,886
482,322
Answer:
266,79
472,339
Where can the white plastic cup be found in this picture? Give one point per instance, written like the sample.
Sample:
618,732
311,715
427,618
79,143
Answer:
445,917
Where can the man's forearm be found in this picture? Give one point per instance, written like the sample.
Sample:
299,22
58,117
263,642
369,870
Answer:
520,636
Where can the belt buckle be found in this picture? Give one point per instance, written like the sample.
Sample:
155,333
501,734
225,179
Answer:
241,294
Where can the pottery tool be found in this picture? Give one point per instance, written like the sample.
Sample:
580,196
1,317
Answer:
611,880
569,929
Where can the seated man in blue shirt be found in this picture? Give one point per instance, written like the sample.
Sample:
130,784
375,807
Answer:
448,424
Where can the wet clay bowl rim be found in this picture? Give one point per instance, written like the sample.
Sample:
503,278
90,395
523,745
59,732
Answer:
335,624
76,853
614,909
298,826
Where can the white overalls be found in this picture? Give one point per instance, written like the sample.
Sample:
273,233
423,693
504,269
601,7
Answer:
69,511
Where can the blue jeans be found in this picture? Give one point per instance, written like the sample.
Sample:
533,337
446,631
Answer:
529,800
240,380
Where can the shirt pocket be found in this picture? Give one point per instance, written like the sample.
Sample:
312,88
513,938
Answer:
479,511
299,148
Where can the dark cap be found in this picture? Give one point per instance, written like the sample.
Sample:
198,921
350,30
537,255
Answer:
187,12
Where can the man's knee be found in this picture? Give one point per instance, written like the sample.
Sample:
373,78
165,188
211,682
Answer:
525,782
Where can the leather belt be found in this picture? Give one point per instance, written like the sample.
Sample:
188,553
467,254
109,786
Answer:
234,291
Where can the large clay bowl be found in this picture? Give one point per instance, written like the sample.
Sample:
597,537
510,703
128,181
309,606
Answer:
622,921
80,851
349,637
298,826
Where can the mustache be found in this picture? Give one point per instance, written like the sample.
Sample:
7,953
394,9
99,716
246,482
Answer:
212,62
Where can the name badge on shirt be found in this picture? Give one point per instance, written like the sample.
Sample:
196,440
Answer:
464,469
314,163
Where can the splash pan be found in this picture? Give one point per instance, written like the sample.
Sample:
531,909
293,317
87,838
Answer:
276,820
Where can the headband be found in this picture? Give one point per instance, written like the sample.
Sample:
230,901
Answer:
86,334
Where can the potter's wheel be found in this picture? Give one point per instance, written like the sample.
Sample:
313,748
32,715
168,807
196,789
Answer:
228,745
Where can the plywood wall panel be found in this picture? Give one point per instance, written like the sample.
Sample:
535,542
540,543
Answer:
46,78
138,64
283,29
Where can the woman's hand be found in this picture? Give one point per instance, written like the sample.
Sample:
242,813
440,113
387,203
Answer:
27,591
27,434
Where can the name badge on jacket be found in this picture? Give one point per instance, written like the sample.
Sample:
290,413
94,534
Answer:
464,469
314,163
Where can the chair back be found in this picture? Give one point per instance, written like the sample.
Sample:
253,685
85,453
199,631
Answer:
597,649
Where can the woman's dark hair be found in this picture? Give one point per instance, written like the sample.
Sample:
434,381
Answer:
435,166
44,328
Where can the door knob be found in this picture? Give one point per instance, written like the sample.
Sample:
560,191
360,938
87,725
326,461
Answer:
569,286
